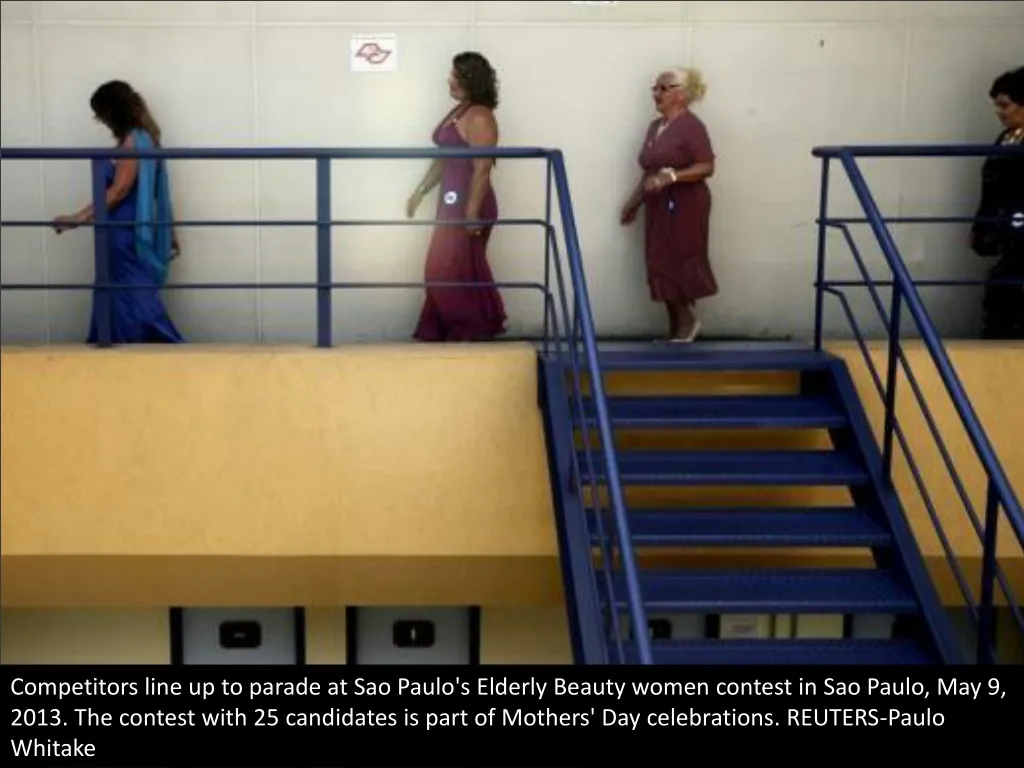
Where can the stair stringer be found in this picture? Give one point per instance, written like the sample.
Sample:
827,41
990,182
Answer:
859,439
579,576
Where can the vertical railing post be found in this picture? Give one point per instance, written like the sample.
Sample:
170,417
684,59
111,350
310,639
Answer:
577,329
892,371
547,246
103,301
324,318
819,287
986,609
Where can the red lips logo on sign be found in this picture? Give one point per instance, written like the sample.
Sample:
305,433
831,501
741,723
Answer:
373,53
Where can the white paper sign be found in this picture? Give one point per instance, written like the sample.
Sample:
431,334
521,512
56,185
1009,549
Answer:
373,53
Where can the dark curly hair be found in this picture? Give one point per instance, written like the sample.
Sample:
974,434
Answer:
1009,84
477,78
122,109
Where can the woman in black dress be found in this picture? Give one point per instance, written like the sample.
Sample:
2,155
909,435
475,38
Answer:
1002,198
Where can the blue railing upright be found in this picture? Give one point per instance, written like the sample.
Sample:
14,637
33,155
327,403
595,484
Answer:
571,335
905,298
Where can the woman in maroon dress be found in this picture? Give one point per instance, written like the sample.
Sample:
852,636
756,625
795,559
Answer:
676,159
458,252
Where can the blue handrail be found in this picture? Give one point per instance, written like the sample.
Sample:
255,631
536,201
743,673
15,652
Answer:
324,285
999,492
917,150
276,153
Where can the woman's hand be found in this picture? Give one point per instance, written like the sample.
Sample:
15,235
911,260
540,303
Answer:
413,203
66,222
658,181
629,212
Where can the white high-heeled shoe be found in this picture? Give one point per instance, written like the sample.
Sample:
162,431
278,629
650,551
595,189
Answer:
689,338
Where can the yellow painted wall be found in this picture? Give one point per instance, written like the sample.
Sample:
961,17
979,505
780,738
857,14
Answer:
991,374
199,476
525,635
325,636
508,635
361,475
85,636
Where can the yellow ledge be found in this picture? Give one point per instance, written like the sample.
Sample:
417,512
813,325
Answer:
201,475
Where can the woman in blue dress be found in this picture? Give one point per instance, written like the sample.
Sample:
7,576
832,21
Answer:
138,194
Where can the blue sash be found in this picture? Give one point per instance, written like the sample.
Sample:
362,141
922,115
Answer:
152,207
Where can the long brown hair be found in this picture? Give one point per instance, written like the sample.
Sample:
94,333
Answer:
122,109
477,78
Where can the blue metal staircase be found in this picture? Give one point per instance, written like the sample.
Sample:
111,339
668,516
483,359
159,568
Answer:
897,585
608,541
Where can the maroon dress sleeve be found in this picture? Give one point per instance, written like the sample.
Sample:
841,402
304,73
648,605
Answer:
677,217
699,141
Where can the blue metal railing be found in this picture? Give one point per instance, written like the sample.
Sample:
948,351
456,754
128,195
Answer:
572,335
904,296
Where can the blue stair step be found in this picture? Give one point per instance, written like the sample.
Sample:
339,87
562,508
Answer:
788,652
712,357
723,412
753,527
814,468
798,590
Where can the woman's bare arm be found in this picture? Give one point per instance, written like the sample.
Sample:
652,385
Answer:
430,178
689,175
125,173
696,172
637,195
429,181
481,130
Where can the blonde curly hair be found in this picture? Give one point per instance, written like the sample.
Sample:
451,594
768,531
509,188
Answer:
692,82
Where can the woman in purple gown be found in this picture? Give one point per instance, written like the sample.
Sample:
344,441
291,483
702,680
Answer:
138,195
676,160
458,253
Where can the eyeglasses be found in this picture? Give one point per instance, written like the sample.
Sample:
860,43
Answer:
660,88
